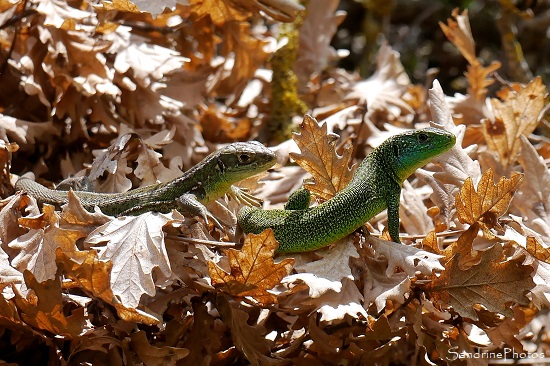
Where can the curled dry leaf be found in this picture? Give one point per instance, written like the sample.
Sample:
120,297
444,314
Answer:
93,277
517,114
36,249
382,93
331,172
135,246
152,355
495,283
378,287
533,197
537,250
334,300
459,32
488,203
42,308
249,339
253,271
405,257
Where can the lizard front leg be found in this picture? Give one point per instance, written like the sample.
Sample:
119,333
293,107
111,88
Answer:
392,200
188,202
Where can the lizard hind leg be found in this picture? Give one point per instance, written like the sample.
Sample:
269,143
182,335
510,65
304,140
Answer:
299,200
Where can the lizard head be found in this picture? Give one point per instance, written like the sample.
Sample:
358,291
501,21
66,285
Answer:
413,149
241,160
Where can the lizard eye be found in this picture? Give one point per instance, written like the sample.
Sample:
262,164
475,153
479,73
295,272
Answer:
221,165
422,137
244,158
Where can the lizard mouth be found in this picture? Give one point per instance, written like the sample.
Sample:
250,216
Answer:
451,141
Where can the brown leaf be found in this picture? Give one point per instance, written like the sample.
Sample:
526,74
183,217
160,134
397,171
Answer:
10,213
218,127
537,250
489,202
383,91
36,249
220,12
93,276
378,287
248,52
10,318
330,171
152,355
122,5
315,52
462,246
253,270
249,339
533,197
509,328
479,80
494,283
87,272
460,34
43,308
517,114
204,338
8,274
135,246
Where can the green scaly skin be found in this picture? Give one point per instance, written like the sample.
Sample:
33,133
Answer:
375,186
205,182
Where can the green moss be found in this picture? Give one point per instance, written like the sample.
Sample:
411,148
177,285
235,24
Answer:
285,102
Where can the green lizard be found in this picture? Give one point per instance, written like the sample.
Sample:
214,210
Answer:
205,182
375,186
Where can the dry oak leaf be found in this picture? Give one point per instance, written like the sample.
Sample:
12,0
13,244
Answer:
533,197
378,287
251,340
330,171
488,203
479,80
152,355
135,246
494,283
122,5
42,308
507,330
460,34
93,276
205,336
220,12
36,249
405,257
253,270
463,246
248,51
332,300
537,250
334,263
56,12
383,91
8,274
517,114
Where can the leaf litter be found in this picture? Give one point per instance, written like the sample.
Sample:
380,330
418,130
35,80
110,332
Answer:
472,273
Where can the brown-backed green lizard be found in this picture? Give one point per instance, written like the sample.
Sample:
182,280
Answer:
205,182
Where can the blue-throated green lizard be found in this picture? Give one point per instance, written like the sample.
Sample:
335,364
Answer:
375,186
